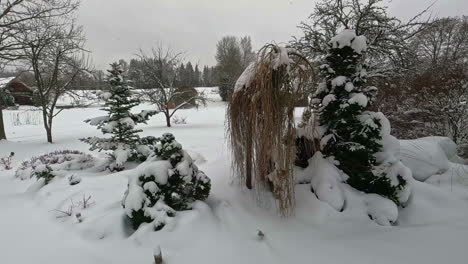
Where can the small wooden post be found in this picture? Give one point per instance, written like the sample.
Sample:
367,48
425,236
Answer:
158,259
260,234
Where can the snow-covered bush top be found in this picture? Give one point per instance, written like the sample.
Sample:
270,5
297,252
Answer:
348,38
169,149
44,172
57,160
168,183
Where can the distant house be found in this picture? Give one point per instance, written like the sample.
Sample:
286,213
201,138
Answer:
22,93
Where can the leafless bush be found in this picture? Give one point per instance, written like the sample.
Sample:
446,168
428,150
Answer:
179,120
86,202
159,70
6,161
68,212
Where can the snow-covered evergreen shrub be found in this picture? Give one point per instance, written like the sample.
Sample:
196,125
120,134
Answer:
354,135
125,143
67,160
44,172
169,183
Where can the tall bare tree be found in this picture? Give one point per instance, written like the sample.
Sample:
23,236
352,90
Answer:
387,35
158,69
53,48
13,16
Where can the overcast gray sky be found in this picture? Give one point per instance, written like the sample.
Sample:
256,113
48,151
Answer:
118,28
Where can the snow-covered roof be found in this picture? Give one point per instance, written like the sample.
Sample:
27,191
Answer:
5,81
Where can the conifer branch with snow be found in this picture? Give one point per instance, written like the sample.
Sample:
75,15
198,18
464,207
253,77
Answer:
356,137
120,122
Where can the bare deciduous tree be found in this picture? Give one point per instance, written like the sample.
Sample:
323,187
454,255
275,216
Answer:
431,97
159,70
387,35
13,15
53,49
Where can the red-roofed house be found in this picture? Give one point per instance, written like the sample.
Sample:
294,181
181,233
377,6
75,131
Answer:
22,93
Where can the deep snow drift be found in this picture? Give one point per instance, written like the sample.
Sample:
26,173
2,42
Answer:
35,227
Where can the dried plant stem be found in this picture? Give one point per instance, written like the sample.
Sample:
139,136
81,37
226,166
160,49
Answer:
261,126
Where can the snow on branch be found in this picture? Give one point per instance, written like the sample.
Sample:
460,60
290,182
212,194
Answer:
97,121
348,38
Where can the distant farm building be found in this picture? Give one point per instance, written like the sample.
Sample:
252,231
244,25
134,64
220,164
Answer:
22,93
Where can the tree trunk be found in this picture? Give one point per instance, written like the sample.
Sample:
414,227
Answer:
49,130
2,126
49,134
47,126
168,119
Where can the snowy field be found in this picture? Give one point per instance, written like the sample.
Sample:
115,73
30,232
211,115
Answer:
433,228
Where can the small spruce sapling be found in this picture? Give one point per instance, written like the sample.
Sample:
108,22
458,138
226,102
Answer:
120,122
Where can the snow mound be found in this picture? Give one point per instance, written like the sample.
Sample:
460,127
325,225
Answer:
425,157
197,157
65,160
382,210
448,147
324,180
358,98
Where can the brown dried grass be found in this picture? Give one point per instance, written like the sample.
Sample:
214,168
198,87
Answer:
261,126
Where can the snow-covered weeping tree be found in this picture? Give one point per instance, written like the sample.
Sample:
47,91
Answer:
120,122
357,138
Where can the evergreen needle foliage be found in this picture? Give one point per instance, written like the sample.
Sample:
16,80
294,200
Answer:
170,183
120,122
353,132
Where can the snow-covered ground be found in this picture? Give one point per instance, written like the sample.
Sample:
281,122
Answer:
433,228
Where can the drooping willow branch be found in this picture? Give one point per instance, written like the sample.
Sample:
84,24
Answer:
261,125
